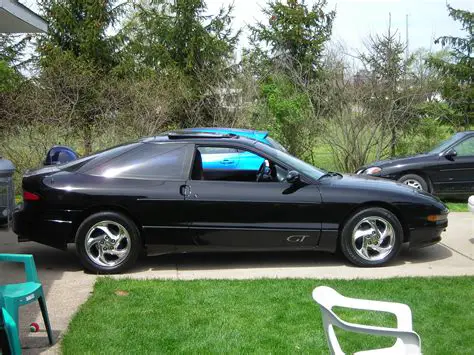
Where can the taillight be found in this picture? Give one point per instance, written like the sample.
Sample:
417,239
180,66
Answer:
30,196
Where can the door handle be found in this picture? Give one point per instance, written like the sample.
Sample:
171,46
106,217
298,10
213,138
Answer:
227,161
185,190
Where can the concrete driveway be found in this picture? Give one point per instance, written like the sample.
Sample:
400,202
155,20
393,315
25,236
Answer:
67,286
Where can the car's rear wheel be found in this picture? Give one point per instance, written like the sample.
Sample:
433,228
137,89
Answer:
108,243
414,181
371,237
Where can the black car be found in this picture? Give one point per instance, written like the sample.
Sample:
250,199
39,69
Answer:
154,195
446,171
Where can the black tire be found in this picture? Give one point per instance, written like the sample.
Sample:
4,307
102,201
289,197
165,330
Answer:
405,179
351,250
133,243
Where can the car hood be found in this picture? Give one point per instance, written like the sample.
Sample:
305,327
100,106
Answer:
370,183
397,161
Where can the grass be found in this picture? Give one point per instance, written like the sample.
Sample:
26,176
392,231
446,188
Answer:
323,157
457,206
261,316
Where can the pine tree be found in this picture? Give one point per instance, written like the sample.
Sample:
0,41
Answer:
295,35
76,55
79,27
458,86
178,41
12,48
386,67
286,56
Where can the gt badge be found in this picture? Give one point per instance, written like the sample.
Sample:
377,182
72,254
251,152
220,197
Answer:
297,238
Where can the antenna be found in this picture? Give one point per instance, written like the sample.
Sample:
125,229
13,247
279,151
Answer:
389,23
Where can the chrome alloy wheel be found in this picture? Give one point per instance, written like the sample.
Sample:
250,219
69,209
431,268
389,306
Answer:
107,243
413,183
373,238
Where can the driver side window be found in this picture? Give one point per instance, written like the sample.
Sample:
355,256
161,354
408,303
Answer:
232,164
465,148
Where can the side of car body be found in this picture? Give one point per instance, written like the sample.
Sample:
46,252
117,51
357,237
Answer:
447,171
177,205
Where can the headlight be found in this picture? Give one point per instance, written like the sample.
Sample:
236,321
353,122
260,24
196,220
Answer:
373,170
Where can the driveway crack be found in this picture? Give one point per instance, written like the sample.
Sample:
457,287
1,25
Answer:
457,252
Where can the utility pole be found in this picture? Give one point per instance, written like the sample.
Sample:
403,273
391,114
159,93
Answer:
406,34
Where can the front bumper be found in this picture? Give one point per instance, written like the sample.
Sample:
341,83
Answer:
426,236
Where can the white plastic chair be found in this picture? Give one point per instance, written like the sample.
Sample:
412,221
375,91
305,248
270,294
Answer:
470,203
408,342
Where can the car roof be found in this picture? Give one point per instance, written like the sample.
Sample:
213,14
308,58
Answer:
243,132
188,136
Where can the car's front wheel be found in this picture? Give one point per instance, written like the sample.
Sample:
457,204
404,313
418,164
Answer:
108,243
371,237
414,181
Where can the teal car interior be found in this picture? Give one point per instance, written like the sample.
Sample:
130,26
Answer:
219,158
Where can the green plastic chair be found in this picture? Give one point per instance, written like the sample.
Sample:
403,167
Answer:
13,296
10,330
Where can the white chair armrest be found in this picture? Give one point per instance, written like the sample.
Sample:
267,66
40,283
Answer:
401,311
382,331
409,338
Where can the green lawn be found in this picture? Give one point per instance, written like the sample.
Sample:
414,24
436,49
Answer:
457,206
323,157
261,316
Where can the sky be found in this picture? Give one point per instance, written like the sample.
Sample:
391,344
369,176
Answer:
357,19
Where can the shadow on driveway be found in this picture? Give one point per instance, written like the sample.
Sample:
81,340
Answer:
255,260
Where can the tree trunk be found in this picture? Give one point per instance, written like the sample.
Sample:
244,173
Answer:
380,142
87,132
393,142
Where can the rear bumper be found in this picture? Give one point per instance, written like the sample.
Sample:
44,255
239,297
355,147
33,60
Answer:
53,228
426,236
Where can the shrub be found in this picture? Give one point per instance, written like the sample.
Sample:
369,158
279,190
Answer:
423,137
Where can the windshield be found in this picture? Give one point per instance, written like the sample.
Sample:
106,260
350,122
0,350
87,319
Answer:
275,144
300,166
446,144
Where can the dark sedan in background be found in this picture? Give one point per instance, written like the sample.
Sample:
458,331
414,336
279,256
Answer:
155,195
446,171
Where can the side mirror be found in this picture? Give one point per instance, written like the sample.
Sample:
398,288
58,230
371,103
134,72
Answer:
450,153
293,176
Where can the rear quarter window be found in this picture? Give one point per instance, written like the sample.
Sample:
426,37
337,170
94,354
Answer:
88,162
148,161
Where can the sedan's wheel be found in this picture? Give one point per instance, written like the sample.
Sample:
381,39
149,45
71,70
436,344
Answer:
371,237
414,181
107,242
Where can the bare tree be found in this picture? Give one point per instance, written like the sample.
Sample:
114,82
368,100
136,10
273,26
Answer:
371,105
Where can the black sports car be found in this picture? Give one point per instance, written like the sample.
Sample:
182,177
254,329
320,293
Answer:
154,195
447,170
